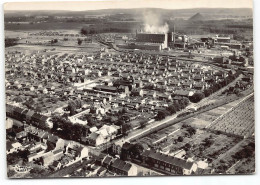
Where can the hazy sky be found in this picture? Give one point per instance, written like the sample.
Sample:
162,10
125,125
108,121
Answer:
109,4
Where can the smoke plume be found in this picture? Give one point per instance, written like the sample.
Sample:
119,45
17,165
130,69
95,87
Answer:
154,23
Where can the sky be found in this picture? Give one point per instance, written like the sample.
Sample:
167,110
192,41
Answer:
113,4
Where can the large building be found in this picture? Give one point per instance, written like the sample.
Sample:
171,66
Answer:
156,41
160,38
165,40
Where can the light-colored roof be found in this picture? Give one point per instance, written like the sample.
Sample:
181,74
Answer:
16,145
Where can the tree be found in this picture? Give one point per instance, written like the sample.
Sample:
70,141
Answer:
79,41
10,173
84,31
90,121
125,128
50,146
12,158
10,42
54,41
180,139
77,132
208,92
177,106
182,105
160,115
191,130
208,142
92,31
172,109
124,110
72,107
119,122
92,110
197,97
143,123
187,146
185,101
137,150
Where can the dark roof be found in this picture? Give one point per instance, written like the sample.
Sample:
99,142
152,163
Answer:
53,139
36,116
55,163
105,88
121,165
116,163
101,170
43,118
9,108
171,160
18,110
127,167
107,160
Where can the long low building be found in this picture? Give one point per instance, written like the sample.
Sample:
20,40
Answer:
168,164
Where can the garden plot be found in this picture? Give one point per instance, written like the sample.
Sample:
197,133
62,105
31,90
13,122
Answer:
227,162
210,146
239,121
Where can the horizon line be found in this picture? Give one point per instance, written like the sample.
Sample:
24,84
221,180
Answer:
127,9
126,4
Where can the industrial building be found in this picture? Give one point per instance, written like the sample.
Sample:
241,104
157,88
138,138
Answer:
216,39
156,41
166,40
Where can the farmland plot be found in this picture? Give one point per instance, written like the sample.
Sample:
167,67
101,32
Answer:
239,121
